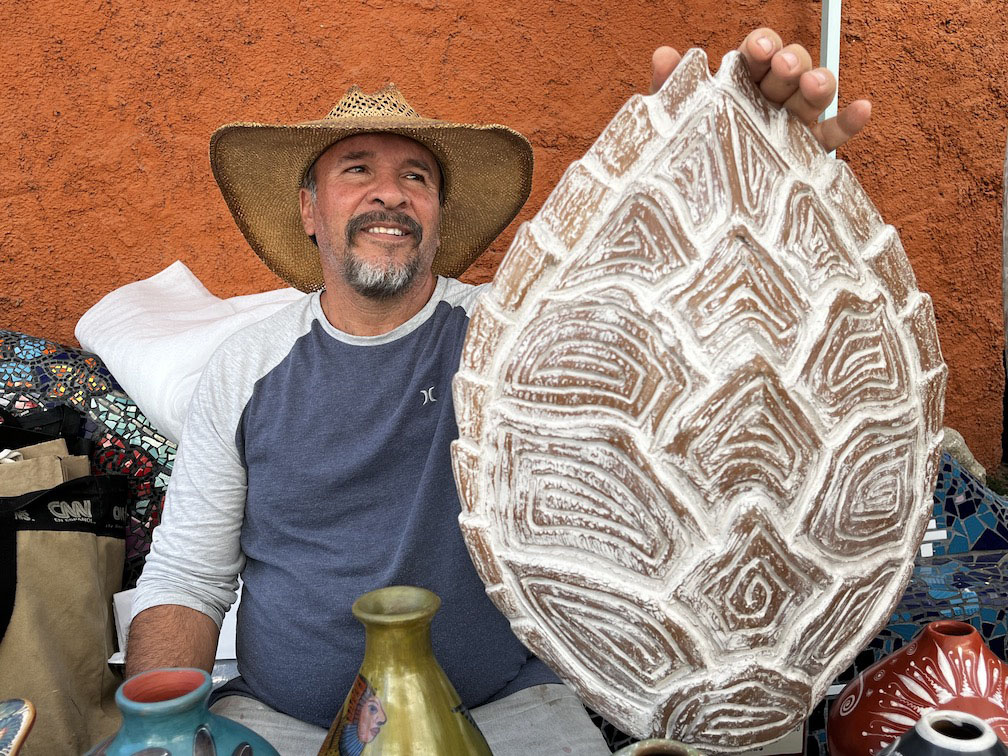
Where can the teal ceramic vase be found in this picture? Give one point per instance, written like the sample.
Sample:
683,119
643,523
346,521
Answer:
165,712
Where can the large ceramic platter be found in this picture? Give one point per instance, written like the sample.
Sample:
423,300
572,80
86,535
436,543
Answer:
699,418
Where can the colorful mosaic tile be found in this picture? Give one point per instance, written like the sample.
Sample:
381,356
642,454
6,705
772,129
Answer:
975,517
122,417
38,373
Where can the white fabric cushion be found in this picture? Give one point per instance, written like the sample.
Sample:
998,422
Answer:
155,337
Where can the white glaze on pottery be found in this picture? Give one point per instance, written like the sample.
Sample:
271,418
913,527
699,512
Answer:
700,418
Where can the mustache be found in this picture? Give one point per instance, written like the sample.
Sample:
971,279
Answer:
356,224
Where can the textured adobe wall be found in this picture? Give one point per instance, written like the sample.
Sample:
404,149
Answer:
106,110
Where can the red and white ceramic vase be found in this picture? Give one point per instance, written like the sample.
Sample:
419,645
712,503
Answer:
946,667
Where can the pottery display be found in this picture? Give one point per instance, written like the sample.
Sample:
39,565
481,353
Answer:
700,413
947,667
165,710
401,704
16,719
947,733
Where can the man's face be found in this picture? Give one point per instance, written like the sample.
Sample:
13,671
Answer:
376,213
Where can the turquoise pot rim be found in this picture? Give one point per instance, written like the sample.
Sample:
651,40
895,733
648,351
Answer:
195,682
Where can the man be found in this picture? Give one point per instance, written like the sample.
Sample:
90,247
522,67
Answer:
315,456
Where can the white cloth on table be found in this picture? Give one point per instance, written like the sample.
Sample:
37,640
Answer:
156,335
544,720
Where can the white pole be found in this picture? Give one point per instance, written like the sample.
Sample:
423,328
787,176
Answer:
829,49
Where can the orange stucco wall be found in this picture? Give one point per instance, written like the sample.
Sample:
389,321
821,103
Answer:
106,110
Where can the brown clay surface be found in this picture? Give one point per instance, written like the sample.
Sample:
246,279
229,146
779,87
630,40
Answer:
106,110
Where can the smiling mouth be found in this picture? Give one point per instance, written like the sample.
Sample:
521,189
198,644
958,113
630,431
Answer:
384,226
388,231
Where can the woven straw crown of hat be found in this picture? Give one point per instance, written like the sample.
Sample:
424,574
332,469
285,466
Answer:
487,175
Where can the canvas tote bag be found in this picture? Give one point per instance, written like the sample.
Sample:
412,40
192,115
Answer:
61,559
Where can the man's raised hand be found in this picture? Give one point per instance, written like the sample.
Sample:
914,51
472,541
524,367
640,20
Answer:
786,77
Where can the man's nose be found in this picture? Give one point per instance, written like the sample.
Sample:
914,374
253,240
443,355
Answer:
387,192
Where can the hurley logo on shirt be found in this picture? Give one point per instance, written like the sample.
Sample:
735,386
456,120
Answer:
428,396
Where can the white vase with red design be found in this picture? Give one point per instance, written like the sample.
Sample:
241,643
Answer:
946,667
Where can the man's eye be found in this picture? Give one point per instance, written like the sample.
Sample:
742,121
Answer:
355,169
416,177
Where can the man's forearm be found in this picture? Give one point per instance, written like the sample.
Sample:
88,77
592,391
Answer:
170,636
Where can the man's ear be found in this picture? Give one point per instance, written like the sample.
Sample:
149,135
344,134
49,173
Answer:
307,212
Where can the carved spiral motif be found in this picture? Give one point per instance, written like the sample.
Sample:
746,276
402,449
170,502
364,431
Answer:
699,418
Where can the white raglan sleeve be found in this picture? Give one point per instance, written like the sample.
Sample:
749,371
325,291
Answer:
196,553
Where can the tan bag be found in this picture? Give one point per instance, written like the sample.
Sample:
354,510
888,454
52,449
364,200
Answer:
61,558
41,466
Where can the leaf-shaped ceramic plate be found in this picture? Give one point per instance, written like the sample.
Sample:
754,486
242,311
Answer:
699,418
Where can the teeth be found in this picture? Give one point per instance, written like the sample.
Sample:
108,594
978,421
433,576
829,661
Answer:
384,230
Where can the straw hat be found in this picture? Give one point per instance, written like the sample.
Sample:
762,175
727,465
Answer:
487,175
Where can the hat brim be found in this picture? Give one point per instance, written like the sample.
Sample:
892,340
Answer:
259,169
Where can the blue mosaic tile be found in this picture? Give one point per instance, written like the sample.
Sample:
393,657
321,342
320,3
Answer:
975,517
28,348
958,544
904,630
14,373
974,528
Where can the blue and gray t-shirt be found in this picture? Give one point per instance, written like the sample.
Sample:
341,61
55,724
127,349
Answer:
316,464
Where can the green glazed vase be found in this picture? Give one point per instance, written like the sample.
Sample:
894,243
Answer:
401,703
165,712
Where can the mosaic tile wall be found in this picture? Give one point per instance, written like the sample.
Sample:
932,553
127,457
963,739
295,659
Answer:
975,517
966,579
37,373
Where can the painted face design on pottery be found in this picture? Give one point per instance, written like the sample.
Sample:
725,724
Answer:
366,715
372,717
